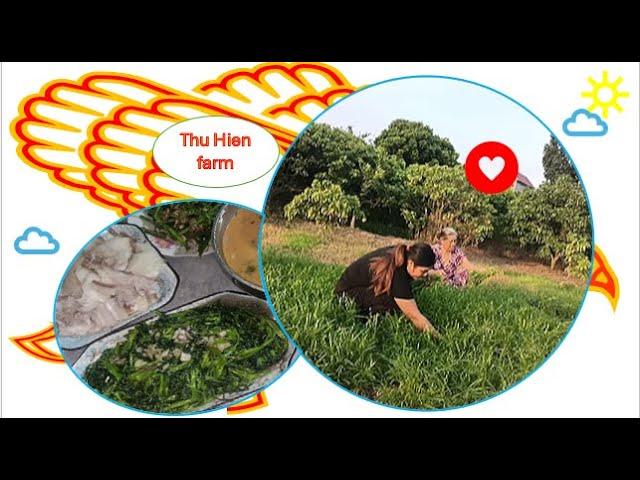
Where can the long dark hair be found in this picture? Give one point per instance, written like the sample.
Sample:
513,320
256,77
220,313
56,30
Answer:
383,268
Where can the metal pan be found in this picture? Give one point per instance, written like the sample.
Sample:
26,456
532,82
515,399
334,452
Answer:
223,219
228,299
166,277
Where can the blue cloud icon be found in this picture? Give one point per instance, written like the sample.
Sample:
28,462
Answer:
583,123
35,241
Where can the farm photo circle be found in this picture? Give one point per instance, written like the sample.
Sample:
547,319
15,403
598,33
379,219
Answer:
401,281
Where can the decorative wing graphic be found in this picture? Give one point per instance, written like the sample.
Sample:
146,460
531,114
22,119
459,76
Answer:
32,344
95,135
254,403
604,280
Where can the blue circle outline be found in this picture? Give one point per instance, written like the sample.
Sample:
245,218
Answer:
296,354
264,217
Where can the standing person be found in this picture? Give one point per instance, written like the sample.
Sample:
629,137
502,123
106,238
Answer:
380,281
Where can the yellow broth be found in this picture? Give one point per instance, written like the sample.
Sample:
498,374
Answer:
240,245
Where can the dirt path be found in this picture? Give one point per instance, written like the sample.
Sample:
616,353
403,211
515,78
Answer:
342,245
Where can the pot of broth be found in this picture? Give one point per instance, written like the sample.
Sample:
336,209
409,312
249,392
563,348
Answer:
235,239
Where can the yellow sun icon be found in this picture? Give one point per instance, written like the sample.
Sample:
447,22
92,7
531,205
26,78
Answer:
605,94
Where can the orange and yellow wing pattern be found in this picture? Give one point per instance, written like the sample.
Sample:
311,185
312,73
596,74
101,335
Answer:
604,279
254,403
95,135
32,344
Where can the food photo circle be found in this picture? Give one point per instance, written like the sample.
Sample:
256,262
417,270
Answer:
164,311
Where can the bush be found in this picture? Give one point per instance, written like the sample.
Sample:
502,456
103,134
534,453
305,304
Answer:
554,219
438,197
321,153
500,221
415,142
325,202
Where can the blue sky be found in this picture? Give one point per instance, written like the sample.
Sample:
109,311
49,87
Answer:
466,114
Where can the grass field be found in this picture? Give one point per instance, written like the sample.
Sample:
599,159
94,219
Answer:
494,332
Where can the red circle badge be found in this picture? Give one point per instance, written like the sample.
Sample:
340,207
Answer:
491,167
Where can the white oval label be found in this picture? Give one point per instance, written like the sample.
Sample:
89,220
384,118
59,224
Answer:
216,151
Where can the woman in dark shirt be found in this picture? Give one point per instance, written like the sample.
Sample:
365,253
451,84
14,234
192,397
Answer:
381,281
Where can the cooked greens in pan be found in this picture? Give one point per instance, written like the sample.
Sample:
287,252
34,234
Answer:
187,359
187,223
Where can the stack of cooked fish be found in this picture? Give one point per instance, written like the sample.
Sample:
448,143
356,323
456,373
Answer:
115,278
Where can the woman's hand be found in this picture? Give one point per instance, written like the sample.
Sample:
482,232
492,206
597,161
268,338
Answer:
410,308
431,330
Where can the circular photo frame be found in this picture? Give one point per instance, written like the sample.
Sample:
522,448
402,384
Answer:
169,333
397,277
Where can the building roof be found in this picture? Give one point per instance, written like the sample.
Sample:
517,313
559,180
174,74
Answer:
524,180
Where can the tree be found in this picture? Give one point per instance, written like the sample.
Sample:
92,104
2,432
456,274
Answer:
554,219
502,202
383,183
325,153
325,202
556,163
440,196
415,142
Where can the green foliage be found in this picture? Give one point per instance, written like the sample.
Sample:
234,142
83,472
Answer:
187,223
577,253
300,241
555,162
383,182
554,219
440,196
500,220
493,333
187,359
325,202
415,142
323,153
408,183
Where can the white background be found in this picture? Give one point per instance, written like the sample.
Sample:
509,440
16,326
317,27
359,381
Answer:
595,372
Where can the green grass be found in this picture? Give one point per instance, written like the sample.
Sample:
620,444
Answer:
300,241
494,332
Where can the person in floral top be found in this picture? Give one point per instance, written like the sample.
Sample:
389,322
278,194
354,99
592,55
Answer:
451,262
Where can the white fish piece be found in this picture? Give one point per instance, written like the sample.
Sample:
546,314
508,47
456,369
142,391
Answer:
84,274
132,301
72,286
116,278
94,295
102,315
114,253
145,263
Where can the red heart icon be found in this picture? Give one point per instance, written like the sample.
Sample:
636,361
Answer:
491,167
